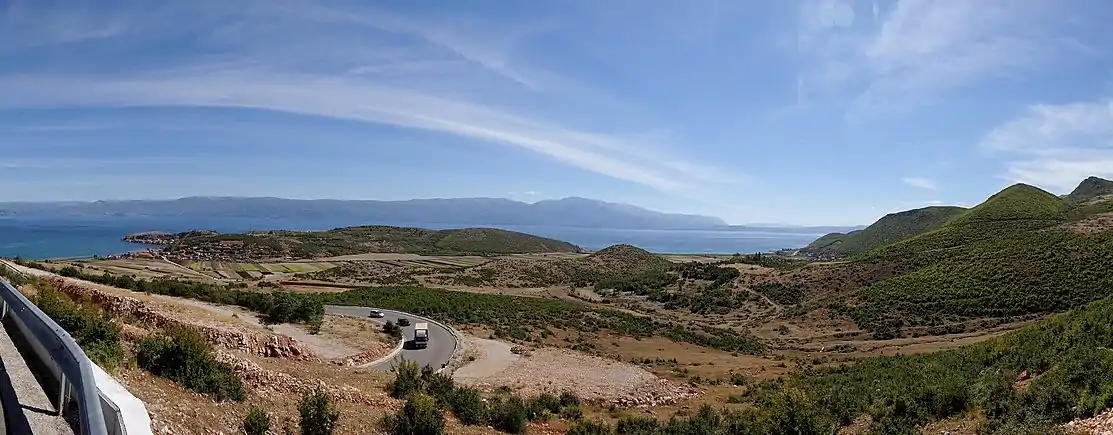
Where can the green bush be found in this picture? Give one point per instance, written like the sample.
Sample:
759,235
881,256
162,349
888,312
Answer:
407,379
92,329
419,416
439,386
318,416
257,422
543,406
183,356
508,414
468,406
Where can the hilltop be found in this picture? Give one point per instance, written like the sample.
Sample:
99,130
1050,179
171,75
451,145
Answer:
891,228
628,257
359,240
1090,190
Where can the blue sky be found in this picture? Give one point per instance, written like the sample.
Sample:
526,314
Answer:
800,112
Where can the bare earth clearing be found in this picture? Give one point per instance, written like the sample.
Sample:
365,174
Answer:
548,370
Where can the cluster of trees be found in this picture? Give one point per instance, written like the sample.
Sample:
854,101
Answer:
429,394
531,319
275,307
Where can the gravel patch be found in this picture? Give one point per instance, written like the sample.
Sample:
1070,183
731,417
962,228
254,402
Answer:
548,370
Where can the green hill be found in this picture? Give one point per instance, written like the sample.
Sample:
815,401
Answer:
365,239
892,228
1091,189
1010,256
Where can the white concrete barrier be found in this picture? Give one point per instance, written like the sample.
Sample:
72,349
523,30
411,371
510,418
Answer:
124,414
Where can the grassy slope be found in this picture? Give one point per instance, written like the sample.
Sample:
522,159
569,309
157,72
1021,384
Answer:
892,228
1002,258
357,240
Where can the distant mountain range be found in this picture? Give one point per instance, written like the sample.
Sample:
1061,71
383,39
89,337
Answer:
568,212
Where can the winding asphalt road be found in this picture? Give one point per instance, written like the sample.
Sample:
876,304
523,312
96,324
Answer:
442,342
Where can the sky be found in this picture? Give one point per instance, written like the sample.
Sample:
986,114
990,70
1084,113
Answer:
809,112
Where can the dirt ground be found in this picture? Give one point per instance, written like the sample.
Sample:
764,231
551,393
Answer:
549,370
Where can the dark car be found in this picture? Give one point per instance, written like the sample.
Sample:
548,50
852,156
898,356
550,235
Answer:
403,322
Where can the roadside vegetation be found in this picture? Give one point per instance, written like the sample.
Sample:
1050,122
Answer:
533,319
180,355
275,307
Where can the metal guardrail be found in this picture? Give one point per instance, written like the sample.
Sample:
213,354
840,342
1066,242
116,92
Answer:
65,353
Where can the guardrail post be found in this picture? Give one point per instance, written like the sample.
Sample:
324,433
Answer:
62,387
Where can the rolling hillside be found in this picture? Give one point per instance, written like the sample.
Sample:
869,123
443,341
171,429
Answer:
892,228
1019,253
359,240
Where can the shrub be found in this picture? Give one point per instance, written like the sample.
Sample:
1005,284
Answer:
318,417
589,428
392,329
543,406
569,399
90,327
257,422
637,426
183,356
508,414
419,416
571,412
439,386
407,379
468,406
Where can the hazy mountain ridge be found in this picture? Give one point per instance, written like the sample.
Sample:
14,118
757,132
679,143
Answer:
567,212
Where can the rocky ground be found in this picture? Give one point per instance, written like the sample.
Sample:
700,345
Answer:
1101,424
547,370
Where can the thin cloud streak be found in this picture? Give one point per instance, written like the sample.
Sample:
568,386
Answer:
335,98
920,182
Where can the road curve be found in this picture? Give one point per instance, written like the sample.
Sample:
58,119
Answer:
442,342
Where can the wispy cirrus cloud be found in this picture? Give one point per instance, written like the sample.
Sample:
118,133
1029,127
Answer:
1056,146
891,57
448,76
923,183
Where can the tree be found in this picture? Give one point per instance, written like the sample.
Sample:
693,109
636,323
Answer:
257,422
318,417
419,416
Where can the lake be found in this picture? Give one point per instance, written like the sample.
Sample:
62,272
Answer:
78,237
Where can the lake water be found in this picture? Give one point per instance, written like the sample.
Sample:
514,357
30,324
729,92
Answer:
77,237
